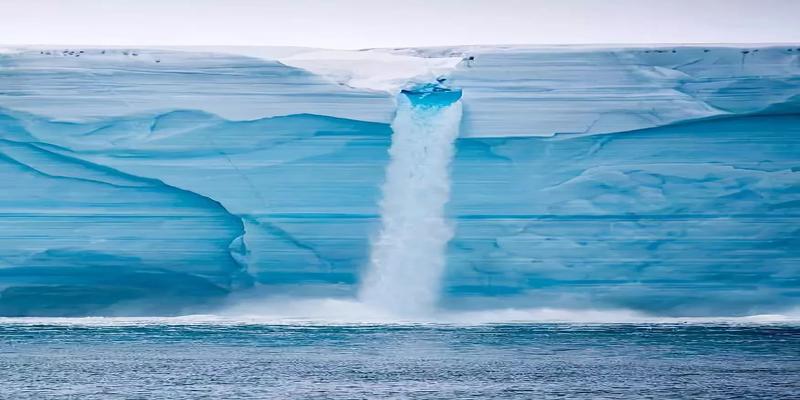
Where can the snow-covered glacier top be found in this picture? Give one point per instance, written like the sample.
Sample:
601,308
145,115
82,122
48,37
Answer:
508,90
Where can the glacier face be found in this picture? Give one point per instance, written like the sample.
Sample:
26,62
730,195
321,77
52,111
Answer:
667,182
690,219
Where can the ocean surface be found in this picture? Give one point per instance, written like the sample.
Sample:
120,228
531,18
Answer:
41,359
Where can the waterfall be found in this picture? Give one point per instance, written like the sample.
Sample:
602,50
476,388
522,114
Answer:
408,256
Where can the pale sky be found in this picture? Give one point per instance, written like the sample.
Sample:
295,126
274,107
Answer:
398,23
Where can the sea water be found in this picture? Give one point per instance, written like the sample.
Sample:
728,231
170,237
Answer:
180,359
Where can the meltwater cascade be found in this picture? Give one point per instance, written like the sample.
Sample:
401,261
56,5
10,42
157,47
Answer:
408,257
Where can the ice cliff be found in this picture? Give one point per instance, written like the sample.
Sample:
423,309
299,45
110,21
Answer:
140,181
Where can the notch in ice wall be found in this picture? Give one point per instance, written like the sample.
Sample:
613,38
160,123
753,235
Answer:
408,257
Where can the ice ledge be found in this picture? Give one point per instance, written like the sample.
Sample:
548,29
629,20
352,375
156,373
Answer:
579,90
583,90
508,90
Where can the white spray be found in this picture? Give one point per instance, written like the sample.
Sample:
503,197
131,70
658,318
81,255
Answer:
408,257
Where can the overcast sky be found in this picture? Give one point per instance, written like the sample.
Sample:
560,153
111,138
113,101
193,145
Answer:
385,23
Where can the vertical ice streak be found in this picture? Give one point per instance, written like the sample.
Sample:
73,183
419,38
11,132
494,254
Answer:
408,256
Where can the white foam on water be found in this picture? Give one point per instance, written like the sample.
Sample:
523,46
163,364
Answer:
289,312
408,256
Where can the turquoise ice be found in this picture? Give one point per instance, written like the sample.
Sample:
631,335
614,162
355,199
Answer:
664,180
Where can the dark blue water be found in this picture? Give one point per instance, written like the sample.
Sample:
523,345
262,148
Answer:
542,361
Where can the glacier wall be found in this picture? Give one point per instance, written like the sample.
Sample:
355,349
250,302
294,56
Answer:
161,182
